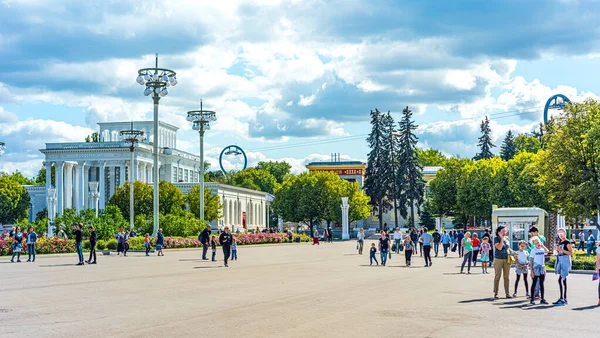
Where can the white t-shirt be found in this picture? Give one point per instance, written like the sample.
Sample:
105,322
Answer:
598,250
397,235
523,257
538,256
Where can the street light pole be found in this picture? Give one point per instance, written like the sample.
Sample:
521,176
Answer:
2,148
132,137
201,122
156,81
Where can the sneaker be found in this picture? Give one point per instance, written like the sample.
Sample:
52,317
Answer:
426,265
543,301
496,296
532,303
565,301
508,297
559,302
94,262
515,295
12,261
482,272
468,272
430,264
18,261
29,260
226,265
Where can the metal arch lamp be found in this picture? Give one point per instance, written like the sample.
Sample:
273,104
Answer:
554,103
235,151
131,137
156,81
2,148
201,120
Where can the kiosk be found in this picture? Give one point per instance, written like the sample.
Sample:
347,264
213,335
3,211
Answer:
518,221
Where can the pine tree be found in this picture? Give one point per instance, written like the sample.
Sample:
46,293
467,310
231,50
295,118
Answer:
485,142
390,148
376,184
409,177
426,219
508,150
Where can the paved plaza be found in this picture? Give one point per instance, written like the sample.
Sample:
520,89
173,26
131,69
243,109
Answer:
296,290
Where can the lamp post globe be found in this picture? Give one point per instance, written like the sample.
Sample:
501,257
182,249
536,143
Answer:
201,120
131,137
156,80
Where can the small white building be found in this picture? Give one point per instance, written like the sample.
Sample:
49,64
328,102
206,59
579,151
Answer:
85,169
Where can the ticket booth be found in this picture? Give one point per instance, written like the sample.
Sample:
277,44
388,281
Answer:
518,221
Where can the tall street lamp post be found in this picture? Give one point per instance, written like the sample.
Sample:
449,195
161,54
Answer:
156,81
201,120
131,137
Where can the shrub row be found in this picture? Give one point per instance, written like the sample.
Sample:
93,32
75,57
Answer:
579,262
55,245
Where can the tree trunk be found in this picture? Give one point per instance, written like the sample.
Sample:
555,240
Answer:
380,211
412,213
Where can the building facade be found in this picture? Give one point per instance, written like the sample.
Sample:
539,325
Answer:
89,173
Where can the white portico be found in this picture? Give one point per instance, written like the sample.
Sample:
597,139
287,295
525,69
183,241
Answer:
89,173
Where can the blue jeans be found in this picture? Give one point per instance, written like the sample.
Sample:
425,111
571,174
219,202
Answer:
436,247
234,255
383,254
590,249
79,248
31,250
373,258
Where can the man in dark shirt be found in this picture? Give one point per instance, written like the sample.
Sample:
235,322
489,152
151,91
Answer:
225,239
204,238
93,239
459,239
78,232
384,246
436,241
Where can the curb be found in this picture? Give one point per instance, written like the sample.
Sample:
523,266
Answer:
575,272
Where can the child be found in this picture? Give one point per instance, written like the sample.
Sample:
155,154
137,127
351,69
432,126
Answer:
147,244
213,245
538,270
372,254
408,249
521,261
234,249
564,251
485,253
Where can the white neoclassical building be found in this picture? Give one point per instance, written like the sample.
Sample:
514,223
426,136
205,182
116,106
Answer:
88,173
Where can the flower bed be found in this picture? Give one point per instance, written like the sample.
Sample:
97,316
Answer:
579,262
55,245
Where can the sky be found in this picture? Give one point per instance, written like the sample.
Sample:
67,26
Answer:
290,80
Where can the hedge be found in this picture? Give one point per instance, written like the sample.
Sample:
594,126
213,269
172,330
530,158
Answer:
54,245
579,262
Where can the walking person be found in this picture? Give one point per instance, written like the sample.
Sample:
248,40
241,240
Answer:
225,240
213,246
160,241
436,242
316,237
420,243
78,232
501,266
397,239
475,242
522,263
61,233
372,253
147,244
17,246
120,241
488,234
467,246
330,235
204,238
93,240
445,239
591,242
538,269
562,267
425,241
453,240
360,238
31,240
459,240
581,246
414,237
126,244
408,249
485,253
234,249
384,247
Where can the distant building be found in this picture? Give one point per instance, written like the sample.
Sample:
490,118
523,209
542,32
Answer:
351,171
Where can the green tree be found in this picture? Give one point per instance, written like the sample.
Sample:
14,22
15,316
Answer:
215,176
171,199
94,137
508,149
426,219
570,162
142,199
443,189
278,169
526,143
377,184
40,179
474,195
19,178
431,157
181,223
391,149
409,179
14,200
256,179
212,203
485,141
517,184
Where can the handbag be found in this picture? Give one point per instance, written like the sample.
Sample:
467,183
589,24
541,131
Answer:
401,248
595,276
510,259
356,246
390,255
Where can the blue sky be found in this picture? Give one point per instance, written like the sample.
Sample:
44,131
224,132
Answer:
291,80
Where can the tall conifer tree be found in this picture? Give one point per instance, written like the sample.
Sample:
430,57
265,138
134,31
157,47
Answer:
508,150
409,178
376,183
390,146
485,141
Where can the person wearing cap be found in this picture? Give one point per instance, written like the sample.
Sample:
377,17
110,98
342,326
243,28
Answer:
591,242
501,266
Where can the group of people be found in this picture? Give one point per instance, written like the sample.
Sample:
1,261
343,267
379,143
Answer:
30,238
411,244
227,241
327,236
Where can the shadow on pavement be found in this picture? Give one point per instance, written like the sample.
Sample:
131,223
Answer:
194,260
57,265
207,267
490,299
591,307
455,273
533,307
512,302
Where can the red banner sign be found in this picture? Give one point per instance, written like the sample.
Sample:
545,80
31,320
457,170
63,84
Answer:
341,171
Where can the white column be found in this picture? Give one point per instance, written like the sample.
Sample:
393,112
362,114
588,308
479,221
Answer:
345,206
265,214
82,186
68,185
77,188
59,187
86,181
122,169
102,185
